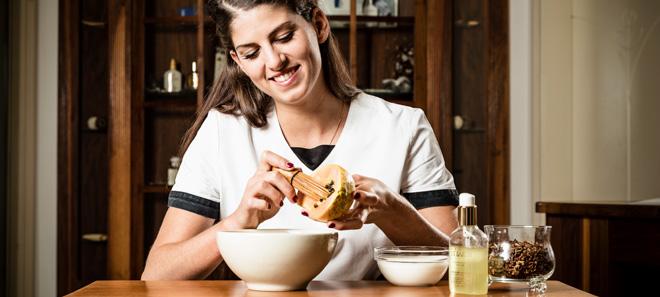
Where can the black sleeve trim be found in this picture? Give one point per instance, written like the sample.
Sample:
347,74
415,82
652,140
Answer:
426,199
194,204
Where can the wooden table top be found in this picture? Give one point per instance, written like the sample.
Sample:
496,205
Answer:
316,289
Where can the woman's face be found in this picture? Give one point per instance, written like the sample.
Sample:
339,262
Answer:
279,51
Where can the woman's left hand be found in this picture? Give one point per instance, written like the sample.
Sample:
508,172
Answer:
375,201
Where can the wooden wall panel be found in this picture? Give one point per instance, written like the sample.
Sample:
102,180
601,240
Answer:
599,273
67,139
633,259
566,239
605,249
121,176
166,130
154,212
4,100
481,98
498,111
93,144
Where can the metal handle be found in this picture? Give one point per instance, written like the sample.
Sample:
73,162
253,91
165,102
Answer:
467,24
459,122
96,123
95,237
466,125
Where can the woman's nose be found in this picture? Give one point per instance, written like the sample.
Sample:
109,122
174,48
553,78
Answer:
275,60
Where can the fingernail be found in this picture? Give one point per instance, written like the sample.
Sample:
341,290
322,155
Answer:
332,225
290,165
281,203
305,213
356,196
295,199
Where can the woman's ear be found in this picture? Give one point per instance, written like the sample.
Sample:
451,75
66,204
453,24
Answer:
234,57
321,25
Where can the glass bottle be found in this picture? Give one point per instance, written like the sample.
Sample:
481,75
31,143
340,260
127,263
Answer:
370,9
175,162
468,252
193,78
172,79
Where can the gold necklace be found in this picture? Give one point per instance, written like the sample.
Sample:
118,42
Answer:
341,119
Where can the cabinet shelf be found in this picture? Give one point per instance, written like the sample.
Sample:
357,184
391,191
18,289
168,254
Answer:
176,20
390,95
185,105
342,22
184,94
184,101
380,19
185,21
172,20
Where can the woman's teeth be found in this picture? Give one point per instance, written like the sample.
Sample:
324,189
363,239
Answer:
284,77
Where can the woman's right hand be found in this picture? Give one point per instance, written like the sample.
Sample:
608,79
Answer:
264,193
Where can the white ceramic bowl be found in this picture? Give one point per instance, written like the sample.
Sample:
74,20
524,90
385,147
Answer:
276,259
412,265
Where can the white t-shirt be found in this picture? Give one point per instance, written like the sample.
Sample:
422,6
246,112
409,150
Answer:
392,143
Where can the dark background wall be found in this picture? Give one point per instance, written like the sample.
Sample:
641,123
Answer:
4,97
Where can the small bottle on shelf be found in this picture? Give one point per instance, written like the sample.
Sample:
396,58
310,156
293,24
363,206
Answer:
468,252
175,162
193,78
370,9
172,79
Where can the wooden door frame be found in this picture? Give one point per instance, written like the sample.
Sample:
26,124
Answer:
435,27
437,62
67,148
4,104
122,262
497,145
125,227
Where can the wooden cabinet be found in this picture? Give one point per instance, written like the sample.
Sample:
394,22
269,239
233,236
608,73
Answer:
137,38
607,249
149,123
478,148
147,126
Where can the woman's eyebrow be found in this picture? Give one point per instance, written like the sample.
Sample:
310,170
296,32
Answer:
273,34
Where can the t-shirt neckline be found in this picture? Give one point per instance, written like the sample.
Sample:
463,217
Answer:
344,134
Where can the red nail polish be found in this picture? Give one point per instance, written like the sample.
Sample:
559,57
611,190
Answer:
268,205
295,199
305,213
290,165
356,196
332,225
281,203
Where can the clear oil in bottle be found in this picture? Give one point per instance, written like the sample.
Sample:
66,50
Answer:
468,252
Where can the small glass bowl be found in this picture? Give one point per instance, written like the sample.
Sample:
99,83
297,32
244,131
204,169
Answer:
412,265
520,254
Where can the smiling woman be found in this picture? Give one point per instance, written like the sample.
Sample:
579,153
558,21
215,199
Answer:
234,86
285,102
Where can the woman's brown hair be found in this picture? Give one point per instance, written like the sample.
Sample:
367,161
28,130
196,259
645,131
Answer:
234,93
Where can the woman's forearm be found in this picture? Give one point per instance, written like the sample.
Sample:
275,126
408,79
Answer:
406,226
194,258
